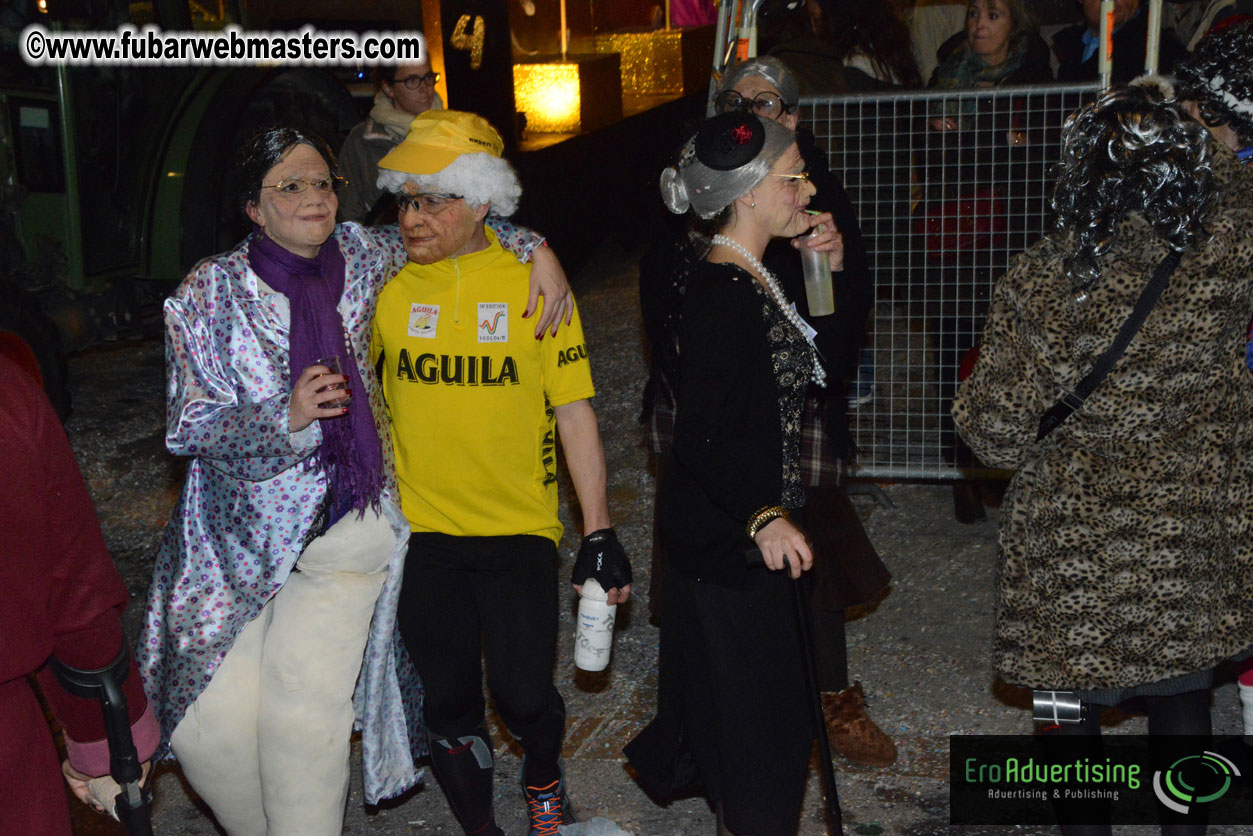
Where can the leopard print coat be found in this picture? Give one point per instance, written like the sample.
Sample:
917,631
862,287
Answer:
1126,549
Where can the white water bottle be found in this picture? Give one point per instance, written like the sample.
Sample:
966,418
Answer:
593,636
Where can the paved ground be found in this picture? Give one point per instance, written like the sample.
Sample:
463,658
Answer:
922,653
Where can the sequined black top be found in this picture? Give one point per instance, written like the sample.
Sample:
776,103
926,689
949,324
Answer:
792,357
744,370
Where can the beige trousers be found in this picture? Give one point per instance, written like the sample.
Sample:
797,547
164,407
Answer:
266,743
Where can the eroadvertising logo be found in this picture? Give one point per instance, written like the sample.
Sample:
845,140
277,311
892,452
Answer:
1194,779
1112,778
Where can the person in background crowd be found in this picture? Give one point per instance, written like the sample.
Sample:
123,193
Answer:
979,143
1192,20
476,406
404,91
870,40
841,46
1215,84
847,570
1076,46
1000,45
731,691
274,592
62,598
1145,494
931,23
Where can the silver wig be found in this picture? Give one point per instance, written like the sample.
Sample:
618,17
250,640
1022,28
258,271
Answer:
1132,150
772,70
707,178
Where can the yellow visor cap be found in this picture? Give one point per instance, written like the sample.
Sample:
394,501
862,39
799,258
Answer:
438,137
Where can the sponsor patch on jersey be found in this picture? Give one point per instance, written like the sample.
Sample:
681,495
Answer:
493,322
423,320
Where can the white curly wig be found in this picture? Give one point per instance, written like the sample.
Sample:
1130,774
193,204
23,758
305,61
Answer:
479,178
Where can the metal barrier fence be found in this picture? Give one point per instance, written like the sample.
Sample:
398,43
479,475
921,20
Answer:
948,187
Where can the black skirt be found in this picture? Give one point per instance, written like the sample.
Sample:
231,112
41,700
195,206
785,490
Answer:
733,718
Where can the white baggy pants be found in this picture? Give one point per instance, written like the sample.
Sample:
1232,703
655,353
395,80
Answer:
266,743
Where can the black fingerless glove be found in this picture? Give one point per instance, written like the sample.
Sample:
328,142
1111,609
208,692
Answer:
601,557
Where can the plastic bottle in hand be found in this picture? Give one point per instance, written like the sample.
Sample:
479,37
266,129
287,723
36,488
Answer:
593,638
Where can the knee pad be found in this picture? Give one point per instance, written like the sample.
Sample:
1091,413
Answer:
477,744
463,765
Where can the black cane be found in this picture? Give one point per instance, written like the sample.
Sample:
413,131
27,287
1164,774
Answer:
835,817
105,684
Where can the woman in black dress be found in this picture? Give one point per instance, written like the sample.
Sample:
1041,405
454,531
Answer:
847,570
732,712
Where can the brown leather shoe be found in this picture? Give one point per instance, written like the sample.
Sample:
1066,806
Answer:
851,731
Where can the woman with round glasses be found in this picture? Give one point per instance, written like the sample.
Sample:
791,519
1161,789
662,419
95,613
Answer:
274,592
402,92
768,104
731,693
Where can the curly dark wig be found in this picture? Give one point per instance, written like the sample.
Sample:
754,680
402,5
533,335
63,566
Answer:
1218,76
1135,149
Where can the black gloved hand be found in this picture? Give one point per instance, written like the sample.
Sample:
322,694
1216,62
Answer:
601,557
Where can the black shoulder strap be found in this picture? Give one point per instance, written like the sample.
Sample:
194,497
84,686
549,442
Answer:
1069,402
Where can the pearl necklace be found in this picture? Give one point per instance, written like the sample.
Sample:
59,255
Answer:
776,293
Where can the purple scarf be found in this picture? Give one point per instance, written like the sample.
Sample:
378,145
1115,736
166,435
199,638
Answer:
349,452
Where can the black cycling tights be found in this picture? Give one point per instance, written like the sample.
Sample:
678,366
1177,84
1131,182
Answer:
1182,714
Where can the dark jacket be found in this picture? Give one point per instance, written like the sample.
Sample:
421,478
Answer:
817,66
1128,60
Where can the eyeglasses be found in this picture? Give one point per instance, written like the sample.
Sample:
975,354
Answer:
804,175
765,103
413,82
432,203
292,186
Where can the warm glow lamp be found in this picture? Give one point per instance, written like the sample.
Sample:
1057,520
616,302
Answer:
578,94
549,96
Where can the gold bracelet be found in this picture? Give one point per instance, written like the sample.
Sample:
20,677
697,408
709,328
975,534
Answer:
766,515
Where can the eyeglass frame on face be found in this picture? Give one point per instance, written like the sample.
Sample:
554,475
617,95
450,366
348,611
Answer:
413,82
414,202
795,179
755,104
328,186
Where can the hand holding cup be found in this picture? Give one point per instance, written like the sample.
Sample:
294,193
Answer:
319,392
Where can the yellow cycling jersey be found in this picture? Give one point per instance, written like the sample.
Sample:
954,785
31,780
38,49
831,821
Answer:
470,393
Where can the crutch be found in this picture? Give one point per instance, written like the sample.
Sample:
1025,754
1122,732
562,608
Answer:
105,684
835,817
